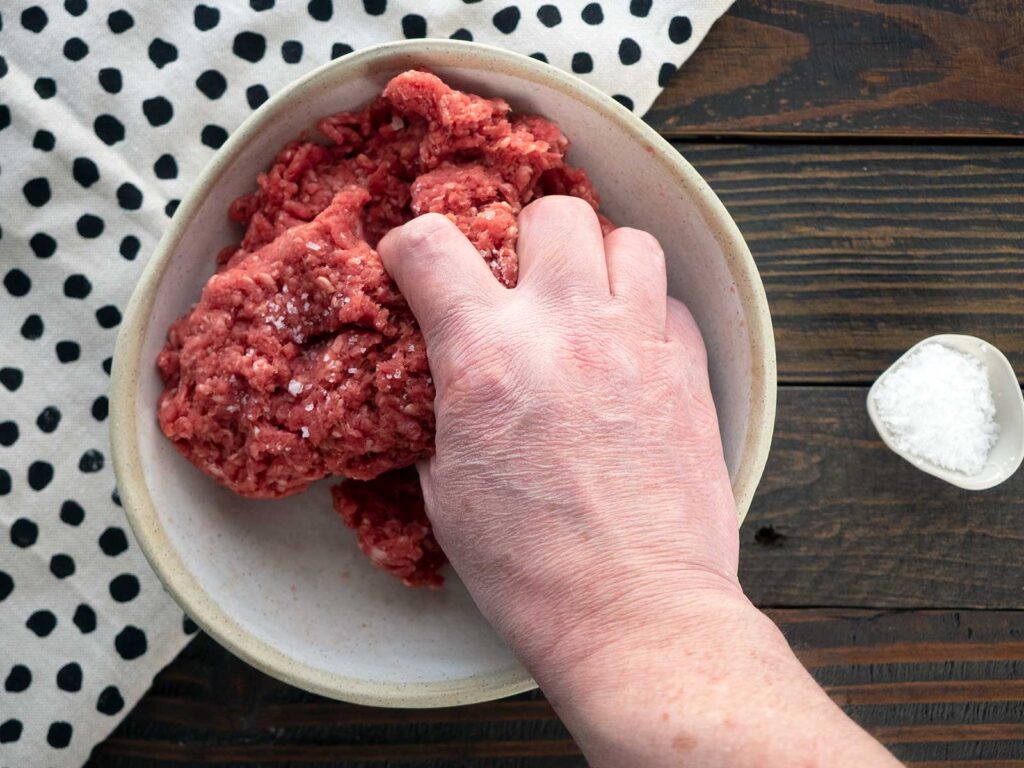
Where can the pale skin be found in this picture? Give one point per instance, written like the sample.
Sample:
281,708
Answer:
580,491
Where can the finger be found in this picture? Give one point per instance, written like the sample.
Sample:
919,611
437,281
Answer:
438,270
636,272
680,327
560,246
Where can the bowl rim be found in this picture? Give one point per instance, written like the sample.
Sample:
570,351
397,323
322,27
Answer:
131,483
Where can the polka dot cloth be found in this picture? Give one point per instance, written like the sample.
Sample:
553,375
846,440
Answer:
108,111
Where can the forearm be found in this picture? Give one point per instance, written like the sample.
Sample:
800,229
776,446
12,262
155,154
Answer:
724,691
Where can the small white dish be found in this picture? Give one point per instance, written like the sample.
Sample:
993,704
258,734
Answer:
1005,457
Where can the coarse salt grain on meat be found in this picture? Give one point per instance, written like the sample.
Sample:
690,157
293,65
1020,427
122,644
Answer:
301,359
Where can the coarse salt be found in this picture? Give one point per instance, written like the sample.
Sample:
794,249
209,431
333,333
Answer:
295,387
937,406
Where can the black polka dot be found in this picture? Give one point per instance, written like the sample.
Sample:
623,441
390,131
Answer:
665,74
85,172
113,541
340,49
5,482
539,57
11,378
3,67
214,136
85,619
623,100
10,731
17,282
9,429
58,735
40,473
261,5
5,116
89,226
375,7
75,49
44,140
249,46
34,19
549,15
321,10
124,588
69,677
100,408
77,286
414,26
162,53
31,329
68,351
120,21
629,51
43,246
107,363
62,566
205,17
640,7
507,19
158,110
129,197
42,623
679,29
461,34
129,247
71,513
166,167
46,87
75,7
37,192
188,626
115,496
130,643
291,51
91,461
582,63
18,679
212,84
592,13
256,95
171,207
110,701
109,129
48,419
108,316
110,80
6,585
24,533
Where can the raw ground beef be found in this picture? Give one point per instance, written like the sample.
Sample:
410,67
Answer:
301,360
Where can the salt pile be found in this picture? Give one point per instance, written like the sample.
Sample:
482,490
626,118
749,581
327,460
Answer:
937,405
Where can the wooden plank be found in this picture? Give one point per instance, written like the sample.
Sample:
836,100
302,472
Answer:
839,520
865,68
865,250
887,668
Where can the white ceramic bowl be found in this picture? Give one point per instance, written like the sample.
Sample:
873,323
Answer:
282,584
1005,457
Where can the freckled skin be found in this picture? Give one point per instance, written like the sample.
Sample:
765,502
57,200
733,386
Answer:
301,359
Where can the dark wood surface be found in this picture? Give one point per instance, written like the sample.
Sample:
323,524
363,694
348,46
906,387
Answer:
872,152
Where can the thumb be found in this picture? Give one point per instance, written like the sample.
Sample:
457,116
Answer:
439,272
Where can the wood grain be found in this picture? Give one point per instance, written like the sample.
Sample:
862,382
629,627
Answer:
865,68
841,520
962,706
865,250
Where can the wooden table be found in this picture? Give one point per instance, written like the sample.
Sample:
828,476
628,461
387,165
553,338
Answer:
872,152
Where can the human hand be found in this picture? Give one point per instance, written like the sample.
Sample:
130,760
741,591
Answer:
580,491
579,478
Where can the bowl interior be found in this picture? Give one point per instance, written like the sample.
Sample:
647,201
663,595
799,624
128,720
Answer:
283,583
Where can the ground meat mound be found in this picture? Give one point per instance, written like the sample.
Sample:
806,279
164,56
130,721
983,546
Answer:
301,359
